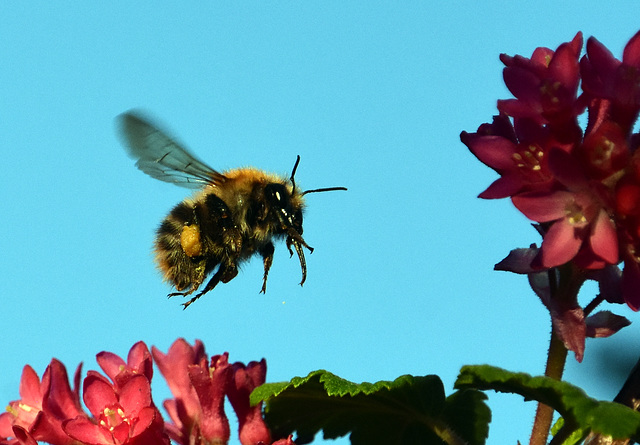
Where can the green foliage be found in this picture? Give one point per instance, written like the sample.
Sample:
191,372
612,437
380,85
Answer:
579,411
567,436
409,410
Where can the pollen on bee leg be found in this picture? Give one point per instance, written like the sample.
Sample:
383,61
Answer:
190,240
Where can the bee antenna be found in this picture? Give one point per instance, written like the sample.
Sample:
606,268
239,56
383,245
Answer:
293,173
293,182
327,189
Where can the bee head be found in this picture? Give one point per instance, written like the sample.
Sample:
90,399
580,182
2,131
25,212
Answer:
286,210
286,205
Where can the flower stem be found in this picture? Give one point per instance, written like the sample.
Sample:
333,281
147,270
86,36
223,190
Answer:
544,414
593,304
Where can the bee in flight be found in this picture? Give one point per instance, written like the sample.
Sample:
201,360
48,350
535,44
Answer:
235,214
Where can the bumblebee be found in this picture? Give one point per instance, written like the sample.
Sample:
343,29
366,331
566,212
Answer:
235,214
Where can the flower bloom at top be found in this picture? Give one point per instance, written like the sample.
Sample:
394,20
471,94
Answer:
546,88
582,186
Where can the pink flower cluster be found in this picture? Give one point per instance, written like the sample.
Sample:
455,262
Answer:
121,409
582,187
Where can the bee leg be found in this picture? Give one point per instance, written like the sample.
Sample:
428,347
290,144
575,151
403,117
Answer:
300,252
267,258
196,276
224,274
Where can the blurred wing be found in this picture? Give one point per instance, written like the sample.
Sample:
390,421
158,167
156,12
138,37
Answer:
161,157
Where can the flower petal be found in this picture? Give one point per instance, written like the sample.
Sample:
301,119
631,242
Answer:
30,392
139,359
543,207
494,151
87,432
23,436
560,244
144,420
503,187
631,54
135,395
98,393
604,240
564,65
111,364
522,83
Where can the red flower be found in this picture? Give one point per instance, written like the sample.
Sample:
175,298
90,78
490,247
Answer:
580,227
253,430
39,414
139,361
605,77
211,384
22,413
199,389
174,366
197,410
121,406
519,154
545,88
125,416
577,222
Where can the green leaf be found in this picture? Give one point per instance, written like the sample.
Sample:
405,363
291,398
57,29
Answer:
568,435
579,411
408,410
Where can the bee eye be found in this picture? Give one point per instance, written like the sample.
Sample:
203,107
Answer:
297,221
277,195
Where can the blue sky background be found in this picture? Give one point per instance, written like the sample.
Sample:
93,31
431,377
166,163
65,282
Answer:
372,95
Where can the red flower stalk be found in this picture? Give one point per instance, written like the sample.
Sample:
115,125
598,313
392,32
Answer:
253,430
197,410
185,407
583,188
211,383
